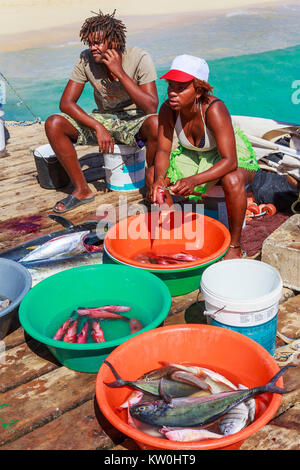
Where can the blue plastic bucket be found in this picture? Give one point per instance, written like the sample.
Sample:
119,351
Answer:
243,295
125,168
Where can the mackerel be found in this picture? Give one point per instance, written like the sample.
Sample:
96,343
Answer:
199,410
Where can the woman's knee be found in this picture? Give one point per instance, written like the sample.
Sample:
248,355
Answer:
233,182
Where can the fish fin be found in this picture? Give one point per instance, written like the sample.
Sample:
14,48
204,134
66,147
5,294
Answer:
119,382
61,220
163,394
272,388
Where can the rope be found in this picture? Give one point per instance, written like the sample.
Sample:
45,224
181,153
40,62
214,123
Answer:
21,123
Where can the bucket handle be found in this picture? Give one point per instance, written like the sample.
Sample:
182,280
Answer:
46,160
213,314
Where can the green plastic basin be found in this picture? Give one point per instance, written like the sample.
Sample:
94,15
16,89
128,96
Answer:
48,304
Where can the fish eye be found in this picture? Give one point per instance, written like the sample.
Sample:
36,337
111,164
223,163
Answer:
142,408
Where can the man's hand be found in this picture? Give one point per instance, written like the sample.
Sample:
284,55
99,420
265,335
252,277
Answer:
113,61
105,140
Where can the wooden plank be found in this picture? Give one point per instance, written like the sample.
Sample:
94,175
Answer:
41,400
91,433
272,437
24,363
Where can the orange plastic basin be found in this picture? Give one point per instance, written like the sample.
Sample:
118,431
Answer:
177,231
232,354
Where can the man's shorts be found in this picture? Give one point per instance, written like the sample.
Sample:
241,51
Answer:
123,127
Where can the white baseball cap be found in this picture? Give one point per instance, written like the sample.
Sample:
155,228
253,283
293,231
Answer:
186,67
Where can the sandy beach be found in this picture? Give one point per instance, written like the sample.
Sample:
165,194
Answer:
32,23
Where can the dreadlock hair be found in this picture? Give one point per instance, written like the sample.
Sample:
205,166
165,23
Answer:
111,29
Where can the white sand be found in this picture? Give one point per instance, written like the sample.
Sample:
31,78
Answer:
30,23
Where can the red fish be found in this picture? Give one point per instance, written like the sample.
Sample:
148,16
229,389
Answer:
97,313
161,196
116,308
97,332
71,334
82,337
135,325
61,331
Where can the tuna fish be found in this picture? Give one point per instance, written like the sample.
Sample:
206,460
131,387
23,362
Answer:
199,411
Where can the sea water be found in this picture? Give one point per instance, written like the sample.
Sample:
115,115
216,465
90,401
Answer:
253,54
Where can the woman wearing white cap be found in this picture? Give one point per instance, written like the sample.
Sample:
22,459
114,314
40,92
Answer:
209,150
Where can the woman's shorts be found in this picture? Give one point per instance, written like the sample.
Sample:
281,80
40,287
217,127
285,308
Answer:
185,162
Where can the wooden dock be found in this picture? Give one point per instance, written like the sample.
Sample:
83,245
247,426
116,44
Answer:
44,405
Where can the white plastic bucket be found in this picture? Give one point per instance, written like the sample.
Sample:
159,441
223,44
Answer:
125,168
243,295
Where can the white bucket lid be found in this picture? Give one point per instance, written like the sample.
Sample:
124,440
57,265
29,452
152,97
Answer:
44,151
241,285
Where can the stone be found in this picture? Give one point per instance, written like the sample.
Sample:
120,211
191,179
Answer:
281,249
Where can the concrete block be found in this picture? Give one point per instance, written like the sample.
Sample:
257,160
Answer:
281,249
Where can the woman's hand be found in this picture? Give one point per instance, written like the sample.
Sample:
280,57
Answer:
155,193
185,186
104,139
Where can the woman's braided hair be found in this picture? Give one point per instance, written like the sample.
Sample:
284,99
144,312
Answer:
110,29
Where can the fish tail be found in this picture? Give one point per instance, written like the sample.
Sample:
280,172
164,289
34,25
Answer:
119,382
272,388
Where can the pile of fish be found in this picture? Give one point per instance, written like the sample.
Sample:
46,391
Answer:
4,303
165,259
190,403
69,331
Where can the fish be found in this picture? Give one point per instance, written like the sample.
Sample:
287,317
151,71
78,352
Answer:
203,372
235,420
71,334
97,313
116,308
134,325
174,389
165,258
62,329
97,332
93,238
187,377
251,404
69,244
82,336
161,196
199,410
188,434
134,398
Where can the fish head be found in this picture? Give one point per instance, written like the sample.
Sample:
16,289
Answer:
147,412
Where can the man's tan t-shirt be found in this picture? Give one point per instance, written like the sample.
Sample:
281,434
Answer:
110,96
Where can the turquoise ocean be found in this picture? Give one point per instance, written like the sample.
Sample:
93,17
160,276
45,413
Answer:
253,54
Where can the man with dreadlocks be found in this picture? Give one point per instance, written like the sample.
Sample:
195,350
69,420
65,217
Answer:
123,79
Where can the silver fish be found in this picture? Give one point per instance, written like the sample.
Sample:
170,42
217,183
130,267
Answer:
251,404
199,411
235,420
70,244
